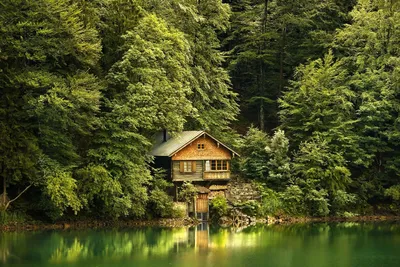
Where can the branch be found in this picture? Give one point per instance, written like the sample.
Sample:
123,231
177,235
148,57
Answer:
12,200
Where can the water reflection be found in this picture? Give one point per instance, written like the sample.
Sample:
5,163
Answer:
294,245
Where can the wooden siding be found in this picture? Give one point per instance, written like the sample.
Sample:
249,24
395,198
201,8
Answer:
217,175
177,175
211,150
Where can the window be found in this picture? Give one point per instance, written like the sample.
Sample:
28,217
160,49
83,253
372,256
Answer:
187,166
200,146
208,167
217,165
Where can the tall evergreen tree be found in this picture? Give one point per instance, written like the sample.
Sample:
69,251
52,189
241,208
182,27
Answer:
370,49
147,91
268,39
353,103
49,98
214,102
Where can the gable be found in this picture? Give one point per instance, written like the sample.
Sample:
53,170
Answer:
212,150
166,149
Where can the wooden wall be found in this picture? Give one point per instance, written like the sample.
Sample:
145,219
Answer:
192,176
211,150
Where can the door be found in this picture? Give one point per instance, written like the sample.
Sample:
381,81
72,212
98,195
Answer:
202,207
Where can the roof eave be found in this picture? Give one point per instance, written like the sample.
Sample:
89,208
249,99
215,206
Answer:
187,143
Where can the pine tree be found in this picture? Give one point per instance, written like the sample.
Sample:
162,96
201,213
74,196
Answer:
147,91
268,40
320,102
49,98
214,102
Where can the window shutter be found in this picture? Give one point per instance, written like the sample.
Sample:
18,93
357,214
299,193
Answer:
181,166
227,165
194,166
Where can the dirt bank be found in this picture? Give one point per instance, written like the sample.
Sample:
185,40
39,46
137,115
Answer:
98,224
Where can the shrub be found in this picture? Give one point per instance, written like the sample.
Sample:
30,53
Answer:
187,193
271,203
178,212
317,202
341,201
254,156
219,206
293,200
160,203
249,207
393,192
7,217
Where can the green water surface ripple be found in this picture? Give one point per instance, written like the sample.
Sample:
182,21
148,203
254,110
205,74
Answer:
319,245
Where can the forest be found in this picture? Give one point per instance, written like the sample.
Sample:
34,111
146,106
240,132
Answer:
307,91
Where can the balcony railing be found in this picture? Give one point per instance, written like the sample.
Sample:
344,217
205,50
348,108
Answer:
217,175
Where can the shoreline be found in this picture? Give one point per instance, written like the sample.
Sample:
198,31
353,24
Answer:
97,224
366,218
181,222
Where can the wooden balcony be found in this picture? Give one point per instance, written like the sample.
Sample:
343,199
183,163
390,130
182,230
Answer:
216,175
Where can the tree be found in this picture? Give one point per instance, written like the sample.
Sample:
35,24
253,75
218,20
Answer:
254,155
268,39
147,90
369,49
214,103
320,101
320,173
278,164
49,98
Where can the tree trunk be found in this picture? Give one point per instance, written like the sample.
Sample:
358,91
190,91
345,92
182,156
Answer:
4,195
262,115
283,43
262,72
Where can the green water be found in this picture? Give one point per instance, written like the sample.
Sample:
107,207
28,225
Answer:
319,245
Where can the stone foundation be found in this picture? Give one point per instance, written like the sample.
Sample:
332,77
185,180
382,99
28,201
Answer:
239,191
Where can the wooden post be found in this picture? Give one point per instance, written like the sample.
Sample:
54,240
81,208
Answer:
195,208
4,193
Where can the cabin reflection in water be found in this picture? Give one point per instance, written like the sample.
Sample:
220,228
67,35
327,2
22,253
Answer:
201,235
197,238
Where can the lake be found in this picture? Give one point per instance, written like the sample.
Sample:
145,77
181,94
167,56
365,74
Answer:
321,245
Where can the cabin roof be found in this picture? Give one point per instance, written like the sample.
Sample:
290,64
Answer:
180,141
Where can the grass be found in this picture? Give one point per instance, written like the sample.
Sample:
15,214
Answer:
7,217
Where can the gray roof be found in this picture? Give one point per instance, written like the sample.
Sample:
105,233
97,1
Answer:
176,143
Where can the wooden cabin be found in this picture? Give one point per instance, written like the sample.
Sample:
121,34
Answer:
198,157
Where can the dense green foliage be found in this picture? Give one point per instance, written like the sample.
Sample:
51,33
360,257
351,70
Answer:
340,113
85,85
219,206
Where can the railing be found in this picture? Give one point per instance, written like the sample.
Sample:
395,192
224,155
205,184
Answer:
217,175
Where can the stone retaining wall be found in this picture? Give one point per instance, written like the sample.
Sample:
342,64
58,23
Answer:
240,191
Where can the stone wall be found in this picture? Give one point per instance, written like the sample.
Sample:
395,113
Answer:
240,191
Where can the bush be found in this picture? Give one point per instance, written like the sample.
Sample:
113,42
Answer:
293,200
187,193
250,207
271,203
317,201
342,201
178,212
161,204
7,217
254,156
393,192
219,206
